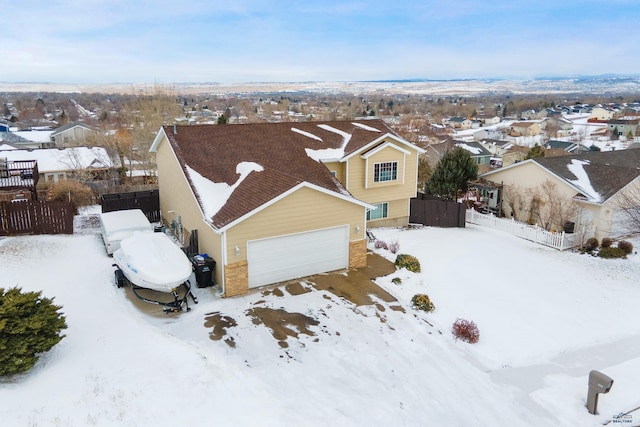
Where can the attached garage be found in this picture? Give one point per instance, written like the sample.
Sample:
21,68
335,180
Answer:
291,256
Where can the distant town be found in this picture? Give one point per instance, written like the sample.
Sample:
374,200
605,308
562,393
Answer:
499,121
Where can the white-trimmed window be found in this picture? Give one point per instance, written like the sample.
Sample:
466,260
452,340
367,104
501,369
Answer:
387,171
382,211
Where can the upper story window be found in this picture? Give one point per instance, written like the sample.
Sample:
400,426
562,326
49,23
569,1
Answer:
387,171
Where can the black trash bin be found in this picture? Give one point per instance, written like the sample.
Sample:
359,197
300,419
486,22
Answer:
204,267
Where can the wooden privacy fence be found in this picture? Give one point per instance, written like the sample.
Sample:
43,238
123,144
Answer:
534,233
36,217
147,201
436,212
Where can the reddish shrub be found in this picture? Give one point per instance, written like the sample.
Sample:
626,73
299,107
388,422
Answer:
466,330
380,244
394,247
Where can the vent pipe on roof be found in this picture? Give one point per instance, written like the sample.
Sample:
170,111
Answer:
175,130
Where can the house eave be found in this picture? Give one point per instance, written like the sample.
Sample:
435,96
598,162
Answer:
380,139
287,193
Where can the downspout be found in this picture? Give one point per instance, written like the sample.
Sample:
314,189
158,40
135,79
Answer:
224,262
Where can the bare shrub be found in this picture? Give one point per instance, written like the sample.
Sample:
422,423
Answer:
381,244
71,191
394,247
626,246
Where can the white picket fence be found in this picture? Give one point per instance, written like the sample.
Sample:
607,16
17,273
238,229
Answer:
557,240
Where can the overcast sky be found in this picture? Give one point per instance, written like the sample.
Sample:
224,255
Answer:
234,41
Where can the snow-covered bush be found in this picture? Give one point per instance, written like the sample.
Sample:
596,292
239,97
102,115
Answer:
465,330
409,262
29,326
422,302
394,247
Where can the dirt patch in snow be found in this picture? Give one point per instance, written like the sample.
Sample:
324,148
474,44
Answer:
354,285
283,324
219,324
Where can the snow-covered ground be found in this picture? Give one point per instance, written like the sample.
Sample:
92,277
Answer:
546,319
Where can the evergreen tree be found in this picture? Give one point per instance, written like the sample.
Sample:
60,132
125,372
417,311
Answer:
452,173
535,151
29,325
222,120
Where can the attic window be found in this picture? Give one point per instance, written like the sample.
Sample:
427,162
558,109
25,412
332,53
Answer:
387,171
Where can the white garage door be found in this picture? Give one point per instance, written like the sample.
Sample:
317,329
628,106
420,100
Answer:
297,255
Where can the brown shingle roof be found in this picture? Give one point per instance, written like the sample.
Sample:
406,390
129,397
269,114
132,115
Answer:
214,151
608,171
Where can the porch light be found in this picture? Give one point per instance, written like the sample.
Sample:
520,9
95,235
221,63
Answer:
237,249
357,229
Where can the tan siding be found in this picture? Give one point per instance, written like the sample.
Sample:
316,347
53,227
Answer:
339,170
594,220
396,193
176,196
301,211
398,215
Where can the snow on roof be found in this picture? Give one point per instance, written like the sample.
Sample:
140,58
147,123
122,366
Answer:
214,195
35,135
365,127
330,153
307,134
474,150
54,159
7,147
576,167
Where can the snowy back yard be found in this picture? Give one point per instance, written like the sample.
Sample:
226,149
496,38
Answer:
546,318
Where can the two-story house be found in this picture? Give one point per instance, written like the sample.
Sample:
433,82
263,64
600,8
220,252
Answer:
525,129
278,201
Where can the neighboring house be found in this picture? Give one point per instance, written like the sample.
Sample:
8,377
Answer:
88,164
480,155
278,201
602,114
460,123
74,133
624,127
588,191
488,134
534,115
28,139
488,119
525,129
568,146
496,147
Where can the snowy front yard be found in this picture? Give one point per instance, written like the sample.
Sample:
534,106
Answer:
546,319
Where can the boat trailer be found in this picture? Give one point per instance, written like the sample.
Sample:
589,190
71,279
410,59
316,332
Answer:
180,294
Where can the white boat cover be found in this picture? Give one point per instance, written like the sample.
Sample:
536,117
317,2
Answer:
118,225
153,261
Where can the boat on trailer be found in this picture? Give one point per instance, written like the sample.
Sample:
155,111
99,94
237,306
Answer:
152,262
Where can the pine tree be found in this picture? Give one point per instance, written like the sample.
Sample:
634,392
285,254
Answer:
452,173
29,325
535,151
